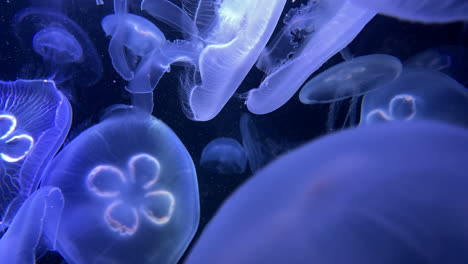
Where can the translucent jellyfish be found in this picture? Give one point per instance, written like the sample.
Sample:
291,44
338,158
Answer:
34,121
451,60
351,78
131,192
140,52
431,11
229,36
418,94
351,197
224,156
56,45
311,35
67,51
34,229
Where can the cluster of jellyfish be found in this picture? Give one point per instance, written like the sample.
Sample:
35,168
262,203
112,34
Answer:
391,189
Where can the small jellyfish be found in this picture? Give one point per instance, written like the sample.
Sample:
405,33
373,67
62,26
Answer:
224,155
377,116
419,94
312,34
432,11
131,192
355,196
67,51
351,78
56,45
228,36
34,121
34,228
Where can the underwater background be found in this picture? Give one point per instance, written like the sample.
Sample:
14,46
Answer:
284,129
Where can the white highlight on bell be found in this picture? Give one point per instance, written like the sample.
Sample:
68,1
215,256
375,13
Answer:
104,169
150,215
12,128
9,158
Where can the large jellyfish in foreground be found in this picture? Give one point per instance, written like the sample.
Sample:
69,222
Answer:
417,94
34,229
351,78
431,11
311,35
34,121
230,36
131,192
224,155
389,193
67,51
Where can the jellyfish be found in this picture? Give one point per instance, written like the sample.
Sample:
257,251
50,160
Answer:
351,78
224,155
131,192
228,35
355,196
429,11
311,35
451,60
34,121
67,51
418,94
34,229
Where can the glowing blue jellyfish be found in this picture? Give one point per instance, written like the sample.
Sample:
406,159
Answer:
67,51
228,35
351,78
130,189
34,121
431,11
356,196
34,228
224,155
418,94
312,34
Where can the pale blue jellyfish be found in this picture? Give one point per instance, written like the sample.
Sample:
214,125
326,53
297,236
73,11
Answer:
34,121
228,35
418,94
390,193
67,51
351,78
131,192
430,11
34,228
224,156
311,35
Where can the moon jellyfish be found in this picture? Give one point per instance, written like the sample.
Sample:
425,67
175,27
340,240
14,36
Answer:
419,94
311,35
131,192
225,156
34,228
66,49
356,196
430,11
229,37
351,78
34,121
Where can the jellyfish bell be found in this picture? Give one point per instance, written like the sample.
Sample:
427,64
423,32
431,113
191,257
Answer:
419,94
351,78
131,192
66,50
34,120
230,36
311,34
431,11
224,156
356,196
